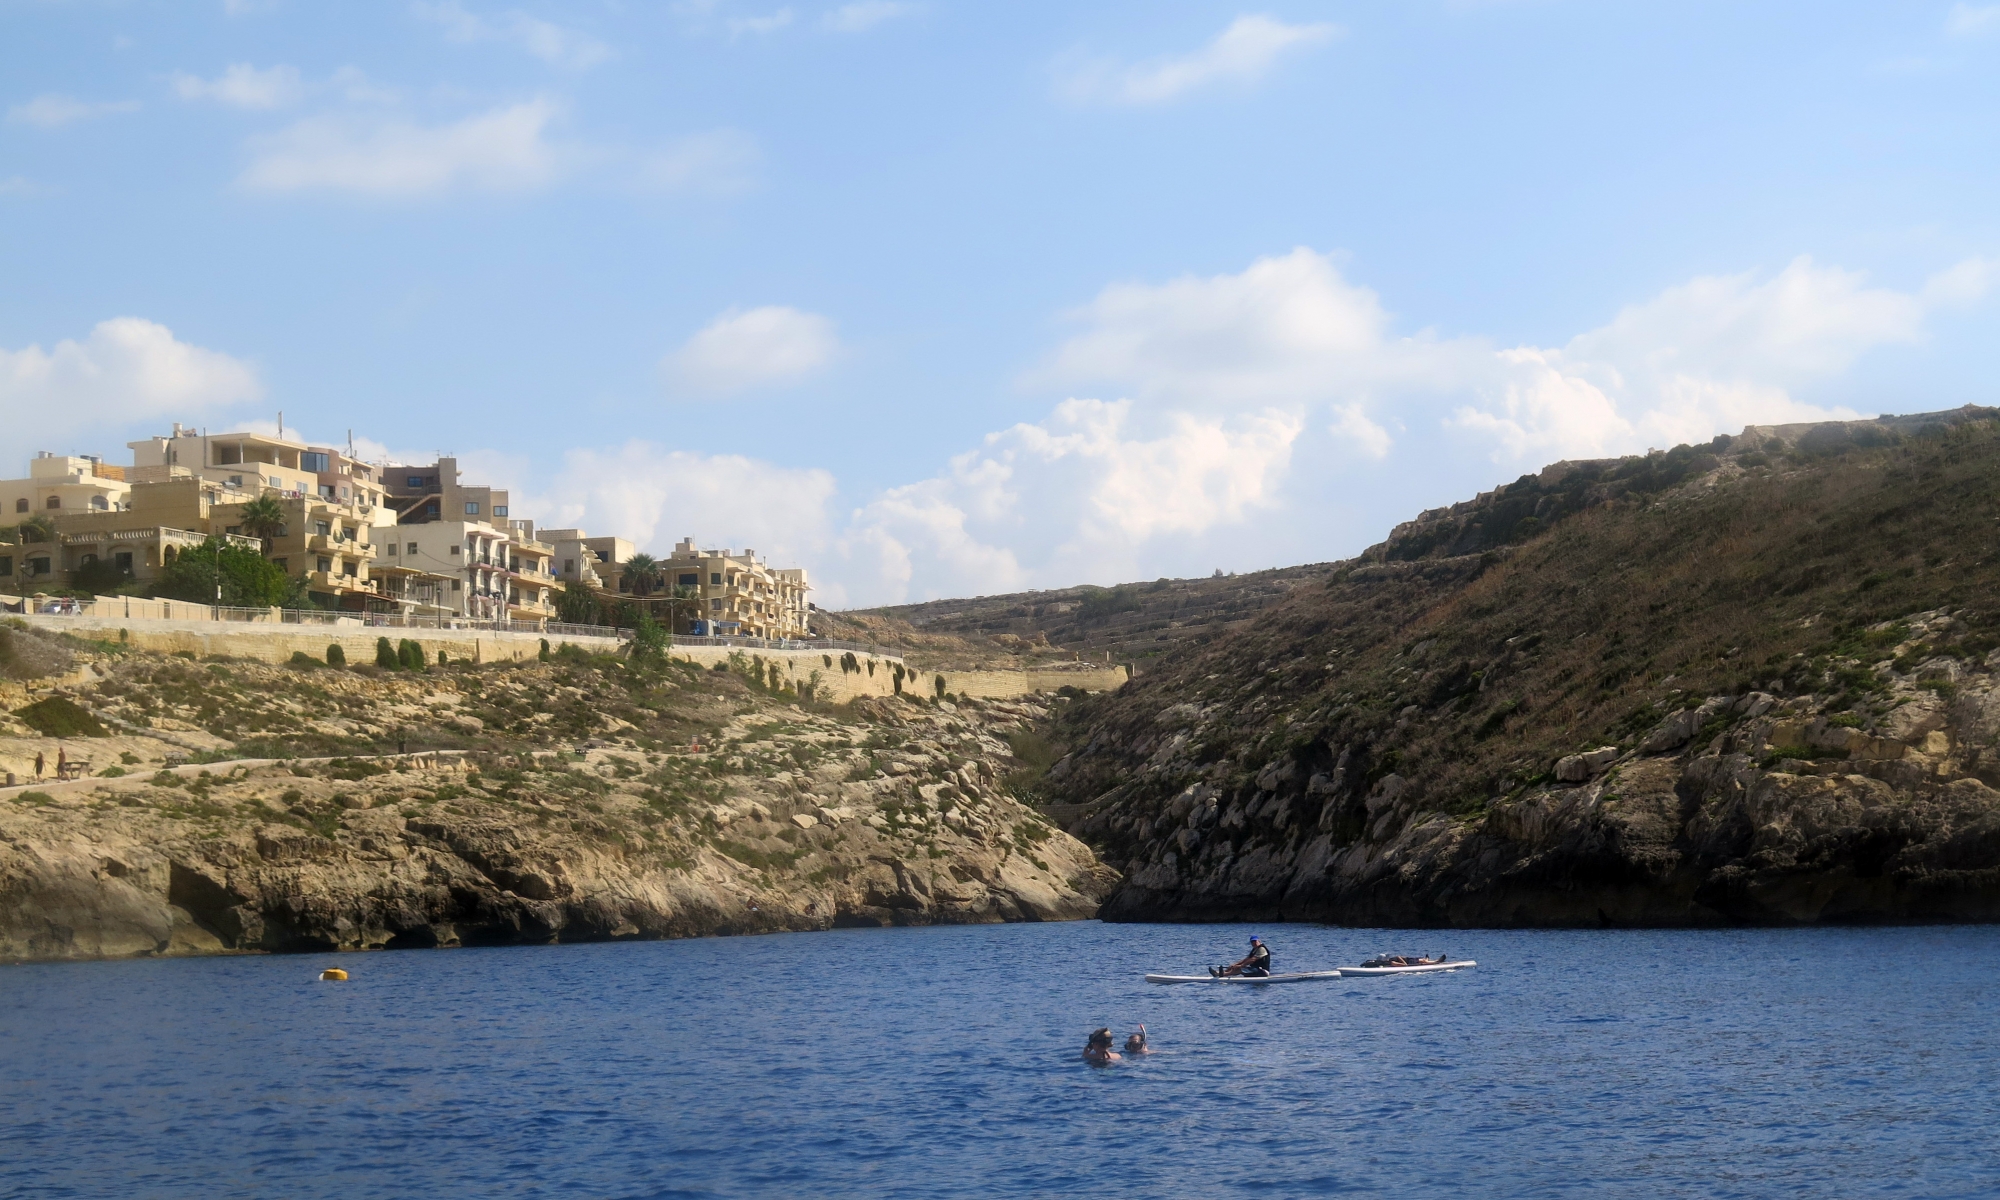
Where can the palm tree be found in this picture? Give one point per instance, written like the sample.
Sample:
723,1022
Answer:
38,528
264,519
643,570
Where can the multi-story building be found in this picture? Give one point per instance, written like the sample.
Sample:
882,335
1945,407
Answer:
467,569
61,484
596,562
434,493
738,594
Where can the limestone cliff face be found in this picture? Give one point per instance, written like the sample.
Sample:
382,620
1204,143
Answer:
770,816
1748,682
1731,809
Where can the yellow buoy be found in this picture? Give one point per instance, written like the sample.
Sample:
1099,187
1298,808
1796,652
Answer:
333,973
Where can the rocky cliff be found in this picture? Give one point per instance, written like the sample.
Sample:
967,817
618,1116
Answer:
1752,681
572,800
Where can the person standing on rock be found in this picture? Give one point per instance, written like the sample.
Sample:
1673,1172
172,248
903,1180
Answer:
1254,965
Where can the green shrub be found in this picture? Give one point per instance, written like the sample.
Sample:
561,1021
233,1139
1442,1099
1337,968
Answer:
385,654
35,798
409,655
441,658
247,577
301,659
60,717
335,656
938,686
111,772
542,655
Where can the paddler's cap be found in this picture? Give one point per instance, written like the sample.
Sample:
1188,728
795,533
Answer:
1255,938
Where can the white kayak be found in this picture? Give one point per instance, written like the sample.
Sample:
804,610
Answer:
1294,977
1452,965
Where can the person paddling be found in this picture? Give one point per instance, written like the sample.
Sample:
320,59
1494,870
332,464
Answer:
1254,965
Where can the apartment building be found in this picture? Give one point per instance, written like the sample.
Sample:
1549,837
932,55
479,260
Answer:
467,569
738,594
596,562
60,484
435,493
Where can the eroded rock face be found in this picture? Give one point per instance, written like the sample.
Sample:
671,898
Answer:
808,829
1780,813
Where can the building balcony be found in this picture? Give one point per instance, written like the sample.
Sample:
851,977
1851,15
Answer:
333,581
321,543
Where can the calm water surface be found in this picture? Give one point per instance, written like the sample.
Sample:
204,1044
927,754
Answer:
942,1062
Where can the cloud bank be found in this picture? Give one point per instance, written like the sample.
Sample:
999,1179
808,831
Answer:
1241,54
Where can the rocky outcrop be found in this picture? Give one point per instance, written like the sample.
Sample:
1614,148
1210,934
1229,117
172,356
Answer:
784,817
1736,809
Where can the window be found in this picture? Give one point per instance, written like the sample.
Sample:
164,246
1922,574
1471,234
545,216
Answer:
414,481
55,501
21,505
323,528
499,510
413,548
326,490
472,508
457,585
325,564
431,511
689,581
99,503
281,564
233,530
235,481
715,604
457,550
602,555
123,561
314,461
38,566
569,566
277,482
715,578
392,549
6,564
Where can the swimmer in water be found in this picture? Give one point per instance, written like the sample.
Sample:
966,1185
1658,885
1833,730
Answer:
1135,1045
1098,1052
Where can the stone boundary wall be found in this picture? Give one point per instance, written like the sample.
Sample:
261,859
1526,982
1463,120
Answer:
822,671
277,643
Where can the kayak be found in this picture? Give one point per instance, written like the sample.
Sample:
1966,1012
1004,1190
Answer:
1453,965
1294,977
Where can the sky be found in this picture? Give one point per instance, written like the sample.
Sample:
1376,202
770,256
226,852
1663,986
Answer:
945,299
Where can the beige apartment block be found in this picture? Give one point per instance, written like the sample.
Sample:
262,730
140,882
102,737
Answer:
61,484
739,594
253,463
596,562
420,494
466,569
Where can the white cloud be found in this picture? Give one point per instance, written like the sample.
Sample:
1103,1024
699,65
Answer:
1078,496
755,348
864,15
1967,19
547,41
500,150
243,86
656,496
127,369
721,162
1240,54
51,110
19,185
738,26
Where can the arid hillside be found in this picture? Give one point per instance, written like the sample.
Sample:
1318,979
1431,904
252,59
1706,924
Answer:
237,806
1748,681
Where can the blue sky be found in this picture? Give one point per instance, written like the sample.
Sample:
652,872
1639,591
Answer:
940,299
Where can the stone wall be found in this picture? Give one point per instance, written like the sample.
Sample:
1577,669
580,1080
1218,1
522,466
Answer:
277,643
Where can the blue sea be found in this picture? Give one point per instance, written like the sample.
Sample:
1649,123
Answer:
944,1063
